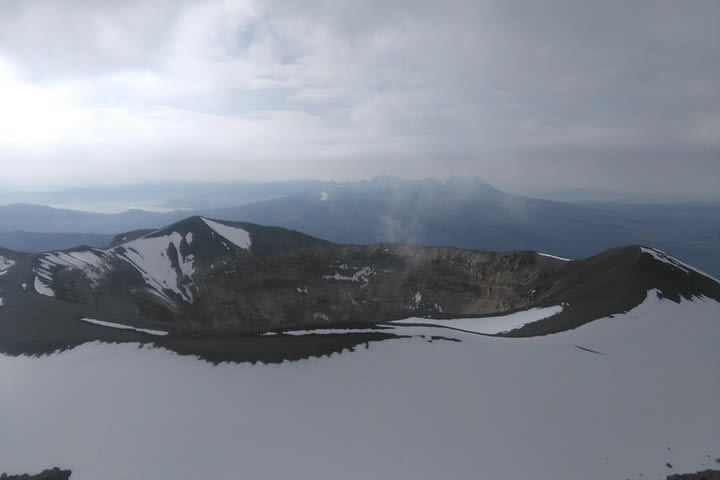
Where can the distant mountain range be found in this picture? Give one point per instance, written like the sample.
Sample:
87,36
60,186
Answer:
42,242
460,212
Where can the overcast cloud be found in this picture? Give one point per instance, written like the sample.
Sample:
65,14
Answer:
526,94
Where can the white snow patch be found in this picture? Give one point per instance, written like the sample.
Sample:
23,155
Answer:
651,399
5,264
149,256
553,256
44,274
321,316
489,325
92,262
236,235
362,275
2,301
323,196
674,262
43,289
123,327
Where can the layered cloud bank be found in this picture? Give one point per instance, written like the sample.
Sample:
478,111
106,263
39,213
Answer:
119,91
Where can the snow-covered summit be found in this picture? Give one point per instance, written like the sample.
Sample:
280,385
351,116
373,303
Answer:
164,258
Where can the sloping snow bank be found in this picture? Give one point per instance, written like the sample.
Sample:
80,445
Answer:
92,263
5,264
488,325
238,236
149,257
123,327
674,262
484,407
553,256
43,289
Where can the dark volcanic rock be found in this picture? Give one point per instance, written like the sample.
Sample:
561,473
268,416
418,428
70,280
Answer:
189,278
54,474
273,348
704,475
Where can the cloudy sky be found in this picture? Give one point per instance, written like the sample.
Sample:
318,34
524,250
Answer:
526,94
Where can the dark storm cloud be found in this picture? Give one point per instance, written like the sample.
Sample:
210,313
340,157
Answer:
501,89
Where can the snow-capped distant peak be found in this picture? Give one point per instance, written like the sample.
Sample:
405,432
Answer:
674,262
235,235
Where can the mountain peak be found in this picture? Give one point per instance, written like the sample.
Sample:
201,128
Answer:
165,259
675,263
388,181
466,183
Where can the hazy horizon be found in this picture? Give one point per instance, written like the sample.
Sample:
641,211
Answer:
187,195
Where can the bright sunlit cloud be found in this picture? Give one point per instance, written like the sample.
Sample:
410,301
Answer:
33,116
